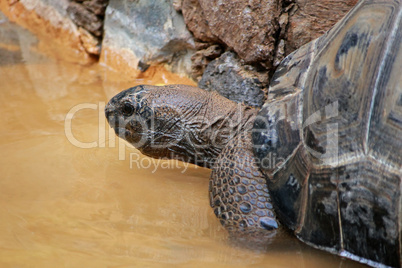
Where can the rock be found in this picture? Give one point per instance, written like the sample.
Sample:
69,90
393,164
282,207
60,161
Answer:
177,5
49,21
89,42
140,33
248,27
202,58
196,21
88,15
235,80
97,7
85,18
262,32
146,31
280,53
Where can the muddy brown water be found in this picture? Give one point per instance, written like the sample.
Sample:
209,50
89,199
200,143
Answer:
73,195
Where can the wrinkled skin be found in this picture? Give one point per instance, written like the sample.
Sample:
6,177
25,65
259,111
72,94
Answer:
192,125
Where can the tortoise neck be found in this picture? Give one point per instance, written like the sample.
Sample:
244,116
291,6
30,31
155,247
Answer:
223,120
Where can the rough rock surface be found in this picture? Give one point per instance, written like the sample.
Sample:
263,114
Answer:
236,81
262,32
196,21
248,27
85,18
89,15
97,7
202,57
147,32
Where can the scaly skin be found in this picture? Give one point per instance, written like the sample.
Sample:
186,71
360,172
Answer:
206,129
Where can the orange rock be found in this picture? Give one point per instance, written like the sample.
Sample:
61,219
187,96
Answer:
55,32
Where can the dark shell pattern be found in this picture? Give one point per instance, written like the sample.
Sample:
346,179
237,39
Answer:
334,115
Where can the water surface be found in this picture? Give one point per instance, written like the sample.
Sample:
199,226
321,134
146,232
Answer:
73,195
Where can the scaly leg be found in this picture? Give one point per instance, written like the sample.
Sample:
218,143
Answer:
238,191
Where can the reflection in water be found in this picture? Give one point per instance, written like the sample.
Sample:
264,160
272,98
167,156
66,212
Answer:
65,205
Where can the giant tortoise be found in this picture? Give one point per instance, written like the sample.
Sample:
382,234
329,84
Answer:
323,157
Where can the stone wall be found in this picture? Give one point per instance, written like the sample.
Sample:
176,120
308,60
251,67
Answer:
232,46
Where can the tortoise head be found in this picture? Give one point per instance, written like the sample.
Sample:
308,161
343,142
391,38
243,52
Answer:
177,121
127,113
151,118
170,121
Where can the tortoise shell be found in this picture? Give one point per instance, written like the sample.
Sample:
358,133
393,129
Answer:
329,138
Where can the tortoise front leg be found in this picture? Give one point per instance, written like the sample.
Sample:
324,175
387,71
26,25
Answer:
238,191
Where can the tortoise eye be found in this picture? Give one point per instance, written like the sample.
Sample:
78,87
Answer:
127,109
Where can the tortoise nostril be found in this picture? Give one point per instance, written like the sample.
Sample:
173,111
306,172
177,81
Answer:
108,111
